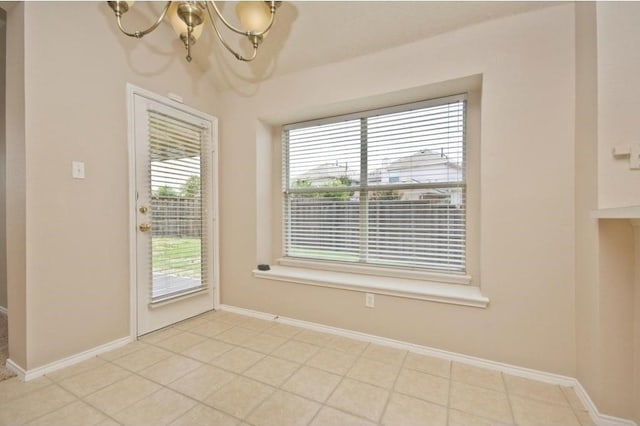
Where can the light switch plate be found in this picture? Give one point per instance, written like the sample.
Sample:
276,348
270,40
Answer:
77,169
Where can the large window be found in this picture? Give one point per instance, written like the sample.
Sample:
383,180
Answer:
382,188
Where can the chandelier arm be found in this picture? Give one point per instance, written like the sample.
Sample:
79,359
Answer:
140,34
221,17
229,48
250,58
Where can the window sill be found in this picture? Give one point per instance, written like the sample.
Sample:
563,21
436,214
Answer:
456,294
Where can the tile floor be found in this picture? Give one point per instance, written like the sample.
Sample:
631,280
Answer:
226,369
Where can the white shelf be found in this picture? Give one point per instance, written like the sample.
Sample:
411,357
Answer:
630,212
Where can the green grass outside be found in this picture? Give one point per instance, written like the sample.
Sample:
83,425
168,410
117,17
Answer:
177,256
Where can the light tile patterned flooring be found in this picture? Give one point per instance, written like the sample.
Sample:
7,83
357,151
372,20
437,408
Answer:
226,369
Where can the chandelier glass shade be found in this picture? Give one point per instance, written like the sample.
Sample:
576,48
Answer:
188,20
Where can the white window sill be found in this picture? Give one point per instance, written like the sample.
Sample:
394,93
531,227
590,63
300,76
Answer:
457,294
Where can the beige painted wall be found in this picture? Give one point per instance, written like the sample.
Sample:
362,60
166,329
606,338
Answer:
636,324
618,101
527,182
3,162
16,186
616,317
588,367
77,235
618,186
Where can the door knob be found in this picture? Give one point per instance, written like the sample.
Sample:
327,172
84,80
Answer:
145,227
144,209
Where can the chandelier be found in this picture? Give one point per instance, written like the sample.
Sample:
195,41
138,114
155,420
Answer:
187,18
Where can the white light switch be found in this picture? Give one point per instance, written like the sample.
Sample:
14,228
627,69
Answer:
77,169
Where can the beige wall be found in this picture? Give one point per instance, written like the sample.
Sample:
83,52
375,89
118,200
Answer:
16,186
618,106
636,324
527,182
77,235
618,100
616,317
3,162
586,195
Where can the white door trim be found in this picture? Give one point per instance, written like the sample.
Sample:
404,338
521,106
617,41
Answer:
131,92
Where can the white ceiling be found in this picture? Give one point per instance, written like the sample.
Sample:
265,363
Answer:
312,33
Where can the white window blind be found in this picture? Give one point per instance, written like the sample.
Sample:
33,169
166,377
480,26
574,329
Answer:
178,177
384,187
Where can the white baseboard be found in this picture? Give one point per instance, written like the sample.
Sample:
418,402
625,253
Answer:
542,376
4,310
16,369
26,375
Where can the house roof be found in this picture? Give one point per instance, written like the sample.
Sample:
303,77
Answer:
330,170
423,158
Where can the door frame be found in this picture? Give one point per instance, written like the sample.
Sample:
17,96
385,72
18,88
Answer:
132,91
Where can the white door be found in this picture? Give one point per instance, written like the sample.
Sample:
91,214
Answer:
175,226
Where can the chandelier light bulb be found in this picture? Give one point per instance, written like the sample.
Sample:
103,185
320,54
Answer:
180,27
254,16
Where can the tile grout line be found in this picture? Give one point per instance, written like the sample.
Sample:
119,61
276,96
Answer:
508,395
393,387
132,373
162,387
82,398
76,399
304,364
449,393
342,379
166,386
278,388
136,373
236,374
241,374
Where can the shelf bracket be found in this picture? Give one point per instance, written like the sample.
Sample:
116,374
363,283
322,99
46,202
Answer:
631,151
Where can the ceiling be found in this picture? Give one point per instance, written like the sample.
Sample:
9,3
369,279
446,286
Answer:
312,33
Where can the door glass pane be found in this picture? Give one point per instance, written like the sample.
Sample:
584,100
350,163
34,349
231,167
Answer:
178,229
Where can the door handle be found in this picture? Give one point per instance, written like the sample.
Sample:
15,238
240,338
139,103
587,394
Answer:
145,227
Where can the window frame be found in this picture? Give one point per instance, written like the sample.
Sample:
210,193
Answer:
437,275
462,291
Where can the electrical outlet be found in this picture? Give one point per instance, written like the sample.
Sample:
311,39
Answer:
369,300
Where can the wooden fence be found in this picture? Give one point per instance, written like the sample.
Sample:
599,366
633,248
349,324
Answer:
176,217
417,228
